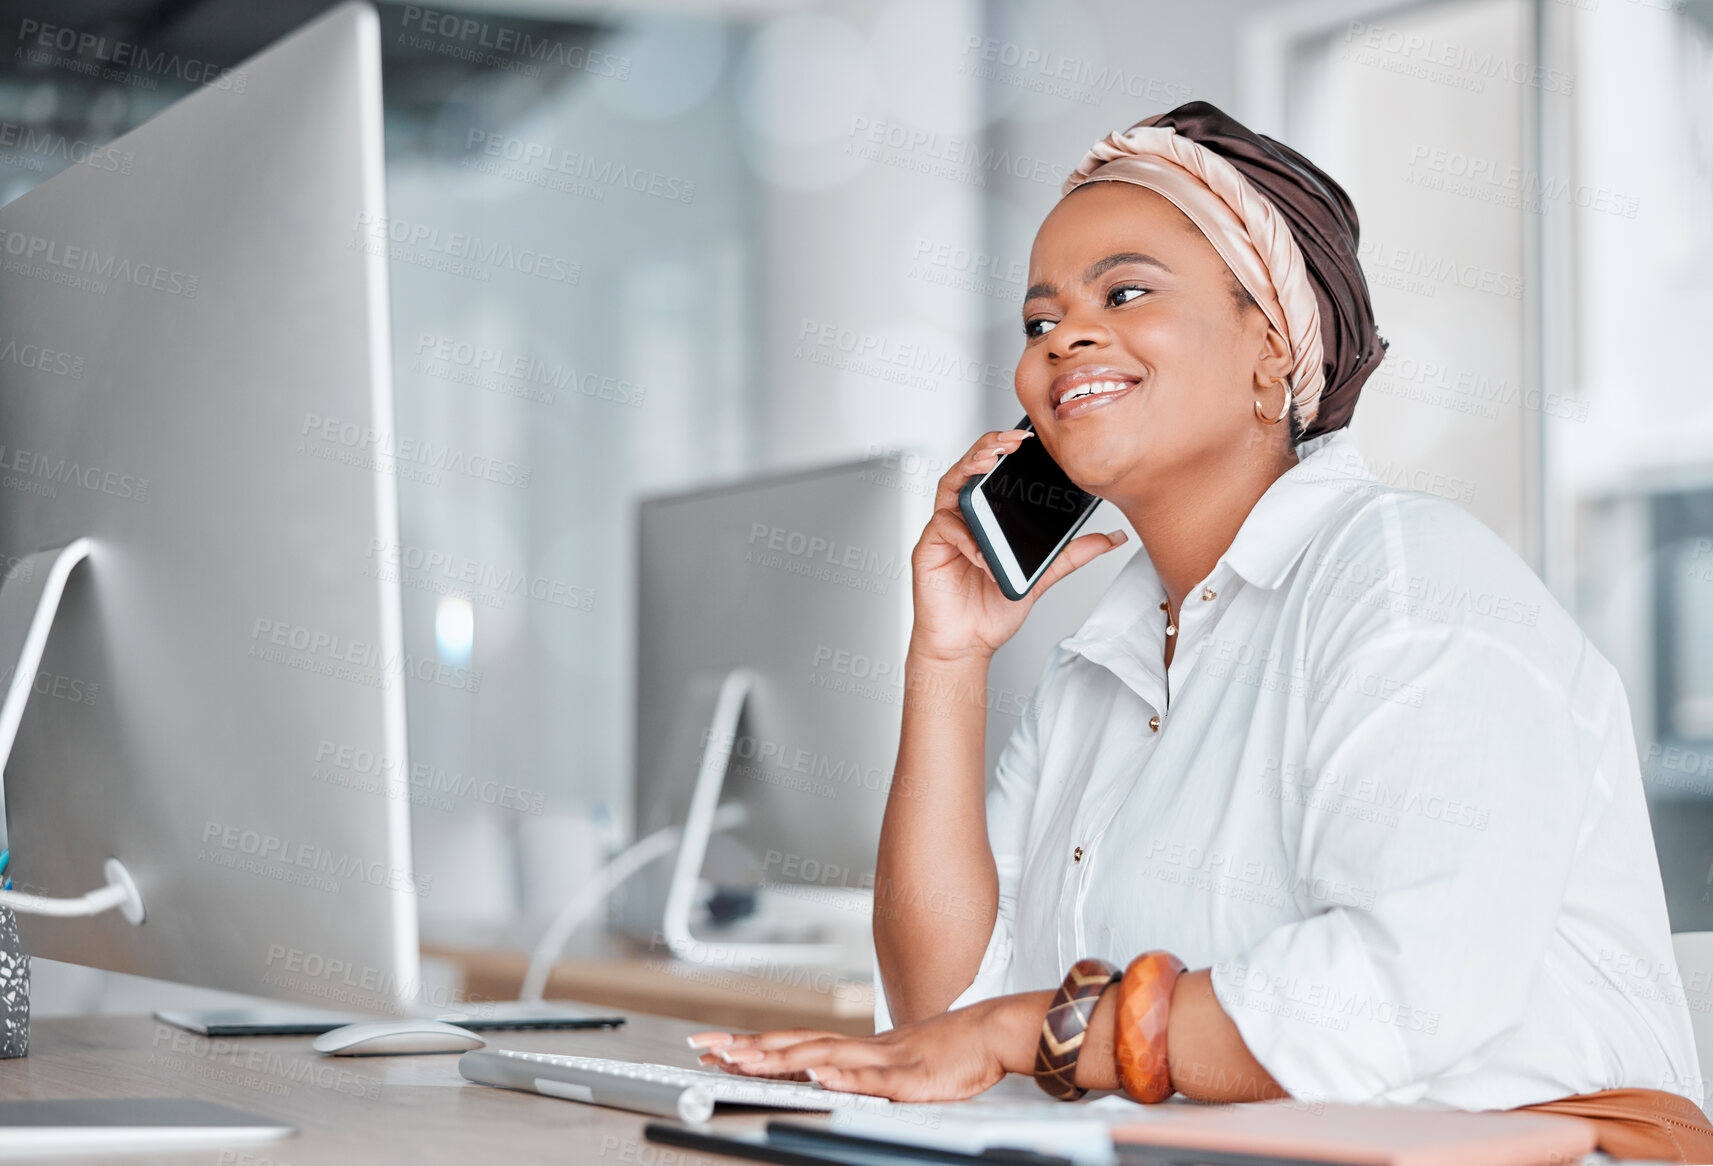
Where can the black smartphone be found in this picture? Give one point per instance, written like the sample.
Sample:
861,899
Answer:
1023,512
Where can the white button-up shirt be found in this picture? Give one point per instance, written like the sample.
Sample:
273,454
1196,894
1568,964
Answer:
1387,790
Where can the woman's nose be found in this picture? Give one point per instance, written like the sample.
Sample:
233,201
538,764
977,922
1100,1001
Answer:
1074,333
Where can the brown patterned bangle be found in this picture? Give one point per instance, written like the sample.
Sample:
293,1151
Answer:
1066,1024
1144,1005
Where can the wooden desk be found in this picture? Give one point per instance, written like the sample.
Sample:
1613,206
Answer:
713,997
355,1111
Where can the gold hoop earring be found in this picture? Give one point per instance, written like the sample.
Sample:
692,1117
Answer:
1283,413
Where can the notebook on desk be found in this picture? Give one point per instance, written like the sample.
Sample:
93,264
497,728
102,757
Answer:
1368,1135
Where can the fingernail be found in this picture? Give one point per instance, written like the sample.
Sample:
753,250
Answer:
723,1055
1119,536
703,1040
812,1076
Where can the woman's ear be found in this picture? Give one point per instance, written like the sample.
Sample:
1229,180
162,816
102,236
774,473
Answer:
1273,364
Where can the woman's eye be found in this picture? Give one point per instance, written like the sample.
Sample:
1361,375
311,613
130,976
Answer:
1122,294
1037,327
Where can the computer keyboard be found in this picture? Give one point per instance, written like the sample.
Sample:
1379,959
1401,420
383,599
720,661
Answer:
667,1090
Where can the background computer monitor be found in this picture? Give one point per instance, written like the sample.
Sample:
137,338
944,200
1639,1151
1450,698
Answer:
803,578
195,374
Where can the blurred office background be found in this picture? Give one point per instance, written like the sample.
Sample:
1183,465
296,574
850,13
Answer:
778,234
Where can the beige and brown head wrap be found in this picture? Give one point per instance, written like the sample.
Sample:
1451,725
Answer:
1287,231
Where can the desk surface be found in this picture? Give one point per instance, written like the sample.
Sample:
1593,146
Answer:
355,1110
628,982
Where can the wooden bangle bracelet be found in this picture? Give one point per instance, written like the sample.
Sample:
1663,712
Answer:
1144,1004
1066,1024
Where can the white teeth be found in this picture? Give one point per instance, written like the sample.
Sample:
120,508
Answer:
1089,388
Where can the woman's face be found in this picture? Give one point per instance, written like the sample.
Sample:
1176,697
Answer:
1127,295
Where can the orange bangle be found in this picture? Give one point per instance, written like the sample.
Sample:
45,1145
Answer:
1144,1004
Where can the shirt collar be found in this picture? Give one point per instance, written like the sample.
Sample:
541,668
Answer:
1329,470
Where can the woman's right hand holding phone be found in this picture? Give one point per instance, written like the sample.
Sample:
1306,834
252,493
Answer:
933,840
960,612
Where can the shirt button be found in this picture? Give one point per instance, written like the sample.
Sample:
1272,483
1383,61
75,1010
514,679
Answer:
1077,854
1207,594
1162,605
1154,724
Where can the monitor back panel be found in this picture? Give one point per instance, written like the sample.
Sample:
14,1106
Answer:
195,372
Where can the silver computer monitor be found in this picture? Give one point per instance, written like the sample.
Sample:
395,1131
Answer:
802,582
194,377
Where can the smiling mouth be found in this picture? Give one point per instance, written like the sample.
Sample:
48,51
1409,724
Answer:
1094,389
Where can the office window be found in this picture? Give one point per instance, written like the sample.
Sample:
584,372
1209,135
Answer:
1534,180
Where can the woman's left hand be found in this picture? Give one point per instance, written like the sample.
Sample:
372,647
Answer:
944,1058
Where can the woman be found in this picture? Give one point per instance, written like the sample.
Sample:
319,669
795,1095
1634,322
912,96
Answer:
1327,746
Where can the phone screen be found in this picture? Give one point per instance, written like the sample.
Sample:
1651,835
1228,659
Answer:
1034,502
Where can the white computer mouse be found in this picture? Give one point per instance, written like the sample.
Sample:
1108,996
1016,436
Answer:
392,1038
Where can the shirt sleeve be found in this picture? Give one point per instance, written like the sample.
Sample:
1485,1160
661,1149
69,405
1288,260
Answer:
1442,792
1010,803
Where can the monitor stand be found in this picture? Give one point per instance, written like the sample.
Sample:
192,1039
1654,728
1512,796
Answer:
28,603
699,825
